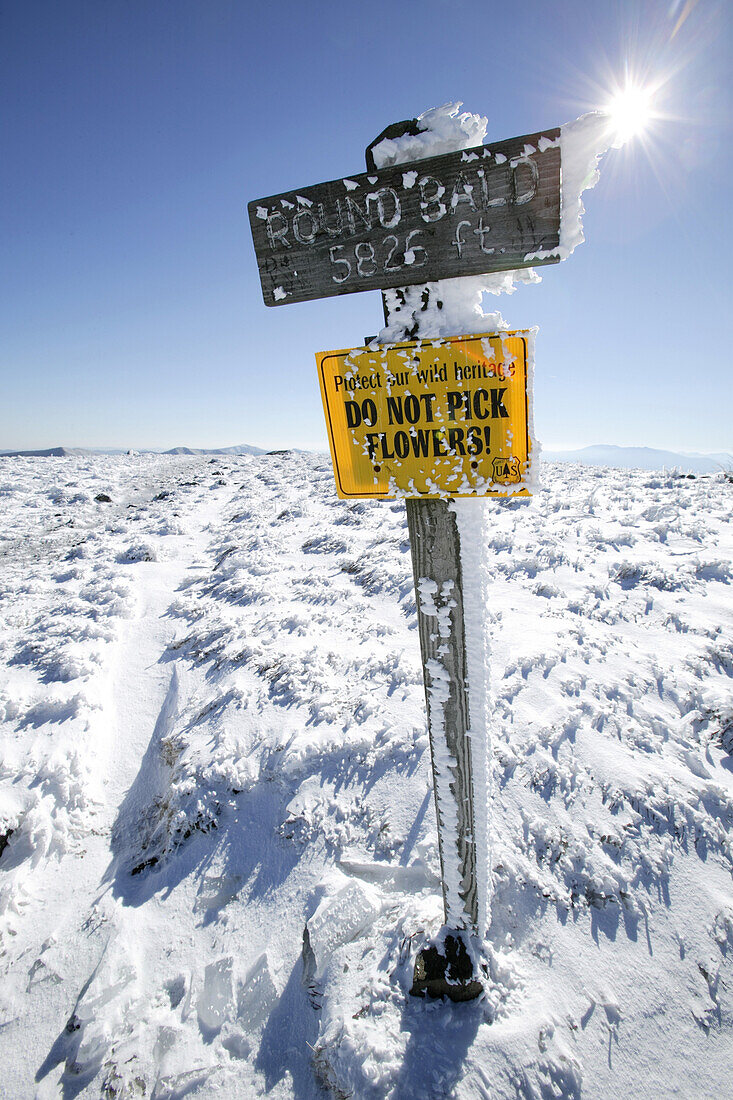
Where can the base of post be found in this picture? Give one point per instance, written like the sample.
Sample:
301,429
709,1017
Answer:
446,969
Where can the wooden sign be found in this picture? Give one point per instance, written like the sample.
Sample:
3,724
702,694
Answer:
491,208
434,418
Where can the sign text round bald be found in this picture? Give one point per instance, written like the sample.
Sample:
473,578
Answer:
492,208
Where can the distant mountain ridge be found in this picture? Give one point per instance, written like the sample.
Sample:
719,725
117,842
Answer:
643,458
53,452
63,452
628,458
241,449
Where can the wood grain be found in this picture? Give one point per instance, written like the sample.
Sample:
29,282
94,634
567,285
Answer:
436,555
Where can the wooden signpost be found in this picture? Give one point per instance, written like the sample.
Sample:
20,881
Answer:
492,208
429,420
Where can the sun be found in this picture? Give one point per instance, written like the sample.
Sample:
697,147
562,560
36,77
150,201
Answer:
630,112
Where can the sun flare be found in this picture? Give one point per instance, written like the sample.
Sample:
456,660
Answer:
630,111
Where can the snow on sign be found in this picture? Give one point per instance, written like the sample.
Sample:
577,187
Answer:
490,208
434,418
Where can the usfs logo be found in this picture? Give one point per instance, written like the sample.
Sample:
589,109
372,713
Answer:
507,471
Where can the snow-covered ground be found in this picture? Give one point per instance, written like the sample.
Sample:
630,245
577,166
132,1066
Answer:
221,849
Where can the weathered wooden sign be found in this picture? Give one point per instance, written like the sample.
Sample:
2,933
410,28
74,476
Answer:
429,418
490,208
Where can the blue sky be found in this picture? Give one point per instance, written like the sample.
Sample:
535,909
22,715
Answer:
134,132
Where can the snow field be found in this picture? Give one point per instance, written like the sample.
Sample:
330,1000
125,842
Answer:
221,849
611,642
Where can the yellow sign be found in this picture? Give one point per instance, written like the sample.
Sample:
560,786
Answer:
431,418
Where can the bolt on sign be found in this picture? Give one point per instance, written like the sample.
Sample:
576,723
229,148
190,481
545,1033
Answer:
433,418
492,208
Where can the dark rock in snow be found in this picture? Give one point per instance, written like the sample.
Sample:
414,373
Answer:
446,969
5,839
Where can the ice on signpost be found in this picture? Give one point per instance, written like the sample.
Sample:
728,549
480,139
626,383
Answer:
582,144
440,309
450,307
441,130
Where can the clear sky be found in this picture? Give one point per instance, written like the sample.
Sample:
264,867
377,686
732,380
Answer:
134,132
